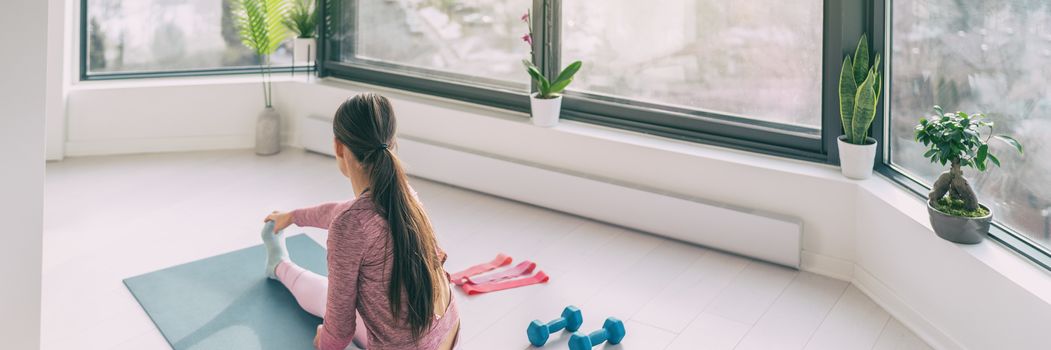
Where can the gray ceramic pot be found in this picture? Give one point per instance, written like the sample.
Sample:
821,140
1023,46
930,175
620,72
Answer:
268,133
960,229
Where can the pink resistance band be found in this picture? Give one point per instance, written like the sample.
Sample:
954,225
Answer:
460,278
472,289
522,269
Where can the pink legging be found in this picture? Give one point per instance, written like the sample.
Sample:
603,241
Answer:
311,292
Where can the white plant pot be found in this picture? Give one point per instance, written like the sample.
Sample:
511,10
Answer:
545,110
855,161
304,50
268,132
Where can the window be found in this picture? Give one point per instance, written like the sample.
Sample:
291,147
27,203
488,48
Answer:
472,41
987,56
163,36
757,59
745,76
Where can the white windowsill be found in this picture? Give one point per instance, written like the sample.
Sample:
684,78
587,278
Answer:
231,79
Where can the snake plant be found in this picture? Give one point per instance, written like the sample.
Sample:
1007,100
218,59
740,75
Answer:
860,86
261,26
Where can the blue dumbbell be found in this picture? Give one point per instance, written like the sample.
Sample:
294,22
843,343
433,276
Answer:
612,331
571,320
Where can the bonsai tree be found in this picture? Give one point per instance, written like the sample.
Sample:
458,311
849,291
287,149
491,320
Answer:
260,25
957,139
547,89
302,19
859,91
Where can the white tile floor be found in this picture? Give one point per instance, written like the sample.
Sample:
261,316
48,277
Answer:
108,218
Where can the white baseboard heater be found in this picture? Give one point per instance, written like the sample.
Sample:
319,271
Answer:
769,237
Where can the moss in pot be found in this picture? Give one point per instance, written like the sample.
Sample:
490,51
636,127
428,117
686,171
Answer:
958,140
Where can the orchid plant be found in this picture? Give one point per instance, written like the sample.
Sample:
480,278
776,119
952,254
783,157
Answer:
548,89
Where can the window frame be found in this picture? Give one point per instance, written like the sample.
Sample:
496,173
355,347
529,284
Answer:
86,75
1015,241
651,118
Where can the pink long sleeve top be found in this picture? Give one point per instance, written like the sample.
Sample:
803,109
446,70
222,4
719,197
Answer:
359,261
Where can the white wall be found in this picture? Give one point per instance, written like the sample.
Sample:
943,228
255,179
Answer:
22,110
110,117
59,74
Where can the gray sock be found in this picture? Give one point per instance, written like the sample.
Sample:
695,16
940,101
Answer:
275,248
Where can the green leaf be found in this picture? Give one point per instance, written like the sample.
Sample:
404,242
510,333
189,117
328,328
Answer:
994,159
861,60
560,85
879,80
568,72
534,72
864,111
528,65
847,91
259,23
983,153
1011,141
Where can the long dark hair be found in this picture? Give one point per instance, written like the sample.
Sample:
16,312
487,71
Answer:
365,124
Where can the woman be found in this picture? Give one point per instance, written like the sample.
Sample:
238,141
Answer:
386,287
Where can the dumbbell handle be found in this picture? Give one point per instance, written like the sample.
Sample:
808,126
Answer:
557,324
599,336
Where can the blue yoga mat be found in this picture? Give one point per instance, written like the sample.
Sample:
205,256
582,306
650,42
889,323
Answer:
226,302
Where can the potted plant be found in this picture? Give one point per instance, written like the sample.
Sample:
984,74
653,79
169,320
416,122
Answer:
957,139
546,104
302,20
259,24
860,86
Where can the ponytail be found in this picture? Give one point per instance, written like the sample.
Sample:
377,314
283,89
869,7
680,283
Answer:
366,125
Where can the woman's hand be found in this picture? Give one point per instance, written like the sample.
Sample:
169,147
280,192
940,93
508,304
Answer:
281,220
317,338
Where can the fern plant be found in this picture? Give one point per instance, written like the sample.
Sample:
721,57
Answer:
957,139
860,86
302,19
260,23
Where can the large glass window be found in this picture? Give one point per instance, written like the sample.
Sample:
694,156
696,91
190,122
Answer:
150,36
744,74
476,41
759,59
988,56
